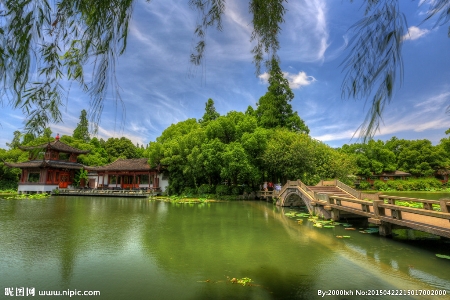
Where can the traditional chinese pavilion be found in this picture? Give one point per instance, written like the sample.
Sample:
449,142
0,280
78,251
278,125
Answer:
50,166
133,173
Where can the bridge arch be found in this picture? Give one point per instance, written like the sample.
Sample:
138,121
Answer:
293,198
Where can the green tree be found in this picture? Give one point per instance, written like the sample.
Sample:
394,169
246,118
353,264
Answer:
374,157
81,132
9,177
15,143
213,160
210,112
421,158
120,148
273,108
237,167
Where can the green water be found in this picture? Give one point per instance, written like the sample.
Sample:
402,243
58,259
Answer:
140,249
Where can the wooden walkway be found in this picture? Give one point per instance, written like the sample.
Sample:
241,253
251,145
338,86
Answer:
335,200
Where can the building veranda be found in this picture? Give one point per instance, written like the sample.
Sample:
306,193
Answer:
128,174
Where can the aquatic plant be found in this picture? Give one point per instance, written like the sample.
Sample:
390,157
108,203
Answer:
28,196
244,281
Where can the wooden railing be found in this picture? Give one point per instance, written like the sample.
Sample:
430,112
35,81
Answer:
334,201
443,204
396,210
307,190
348,189
377,208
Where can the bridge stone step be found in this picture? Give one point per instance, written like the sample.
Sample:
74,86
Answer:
330,190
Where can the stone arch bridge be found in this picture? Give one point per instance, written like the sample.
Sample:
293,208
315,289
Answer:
334,200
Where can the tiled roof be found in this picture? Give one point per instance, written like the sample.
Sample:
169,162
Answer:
134,164
57,145
45,164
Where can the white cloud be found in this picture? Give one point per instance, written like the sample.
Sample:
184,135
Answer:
264,77
427,114
296,81
415,33
435,102
347,134
307,30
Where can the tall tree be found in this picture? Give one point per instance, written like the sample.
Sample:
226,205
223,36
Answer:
210,112
81,132
15,143
274,109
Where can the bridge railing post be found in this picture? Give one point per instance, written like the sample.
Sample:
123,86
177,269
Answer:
328,199
377,210
444,205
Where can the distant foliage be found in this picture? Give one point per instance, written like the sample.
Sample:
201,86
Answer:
206,189
364,185
420,184
222,190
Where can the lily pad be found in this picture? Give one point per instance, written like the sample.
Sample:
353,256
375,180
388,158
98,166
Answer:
328,226
443,256
346,236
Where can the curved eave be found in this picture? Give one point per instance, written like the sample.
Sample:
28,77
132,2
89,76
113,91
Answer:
45,164
58,146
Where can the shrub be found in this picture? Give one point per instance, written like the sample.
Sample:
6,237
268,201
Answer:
248,189
189,191
434,183
222,190
237,190
8,185
380,185
395,185
205,189
364,185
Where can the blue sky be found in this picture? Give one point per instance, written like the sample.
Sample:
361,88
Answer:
160,87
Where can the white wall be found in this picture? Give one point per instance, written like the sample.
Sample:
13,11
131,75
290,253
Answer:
36,188
163,183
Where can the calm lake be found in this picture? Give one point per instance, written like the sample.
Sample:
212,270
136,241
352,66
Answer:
141,249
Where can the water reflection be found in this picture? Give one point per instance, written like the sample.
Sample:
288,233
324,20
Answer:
133,248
